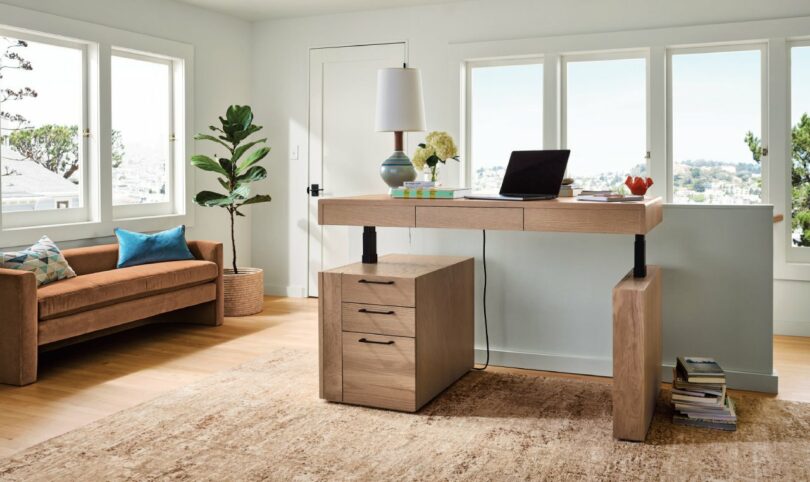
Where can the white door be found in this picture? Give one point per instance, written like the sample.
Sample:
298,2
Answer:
345,152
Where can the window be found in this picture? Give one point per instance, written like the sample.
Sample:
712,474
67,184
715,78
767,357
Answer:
800,145
505,109
43,156
88,129
141,131
605,112
716,119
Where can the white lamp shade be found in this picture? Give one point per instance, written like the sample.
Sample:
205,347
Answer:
400,107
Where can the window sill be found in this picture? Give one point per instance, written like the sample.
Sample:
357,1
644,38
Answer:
25,236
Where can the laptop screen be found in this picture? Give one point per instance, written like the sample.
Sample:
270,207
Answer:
535,172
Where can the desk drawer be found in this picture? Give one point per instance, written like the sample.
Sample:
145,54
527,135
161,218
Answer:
356,215
378,290
379,371
469,218
381,320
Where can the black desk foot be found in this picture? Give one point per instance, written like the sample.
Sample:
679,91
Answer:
369,245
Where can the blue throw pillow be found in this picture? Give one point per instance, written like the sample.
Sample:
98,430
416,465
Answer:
137,248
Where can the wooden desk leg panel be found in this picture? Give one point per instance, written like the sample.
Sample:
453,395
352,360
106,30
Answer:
330,336
636,353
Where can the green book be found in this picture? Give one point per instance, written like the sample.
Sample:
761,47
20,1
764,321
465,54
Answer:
429,193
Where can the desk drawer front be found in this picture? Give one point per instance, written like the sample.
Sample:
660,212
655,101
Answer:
381,320
378,290
358,215
379,371
609,221
510,219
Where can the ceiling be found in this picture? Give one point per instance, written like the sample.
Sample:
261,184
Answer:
272,9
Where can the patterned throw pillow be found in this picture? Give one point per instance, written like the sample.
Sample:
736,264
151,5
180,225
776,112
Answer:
43,258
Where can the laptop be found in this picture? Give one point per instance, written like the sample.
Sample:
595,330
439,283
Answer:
531,176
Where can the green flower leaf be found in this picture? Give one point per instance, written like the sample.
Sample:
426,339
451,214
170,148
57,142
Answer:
253,158
207,164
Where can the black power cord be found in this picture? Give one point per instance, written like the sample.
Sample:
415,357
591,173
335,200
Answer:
486,327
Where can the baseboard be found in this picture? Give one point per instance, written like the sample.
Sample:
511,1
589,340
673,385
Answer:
291,291
551,362
791,328
602,366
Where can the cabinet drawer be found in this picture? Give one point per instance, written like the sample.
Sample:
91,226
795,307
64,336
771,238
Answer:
378,290
379,371
379,319
469,218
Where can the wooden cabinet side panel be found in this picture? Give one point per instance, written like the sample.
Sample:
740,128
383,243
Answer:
636,354
444,328
330,349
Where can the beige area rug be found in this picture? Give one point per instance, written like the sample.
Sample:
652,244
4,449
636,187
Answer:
264,421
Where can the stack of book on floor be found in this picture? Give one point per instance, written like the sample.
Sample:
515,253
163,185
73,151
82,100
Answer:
699,395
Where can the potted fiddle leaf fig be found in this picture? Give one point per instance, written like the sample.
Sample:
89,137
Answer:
244,287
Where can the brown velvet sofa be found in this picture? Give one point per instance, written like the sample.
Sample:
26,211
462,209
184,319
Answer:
103,299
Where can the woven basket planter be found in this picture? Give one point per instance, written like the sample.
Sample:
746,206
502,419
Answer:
244,292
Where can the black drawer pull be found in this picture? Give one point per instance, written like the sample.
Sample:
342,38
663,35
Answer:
363,310
389,342
376,282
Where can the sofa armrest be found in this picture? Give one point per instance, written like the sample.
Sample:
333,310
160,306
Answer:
18,327
213,251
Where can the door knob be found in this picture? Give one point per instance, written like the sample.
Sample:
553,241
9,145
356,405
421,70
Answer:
314,189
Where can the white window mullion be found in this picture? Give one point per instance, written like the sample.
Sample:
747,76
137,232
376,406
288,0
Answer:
551,101
657,122
104,136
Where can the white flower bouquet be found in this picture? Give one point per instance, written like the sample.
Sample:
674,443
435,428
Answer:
438,147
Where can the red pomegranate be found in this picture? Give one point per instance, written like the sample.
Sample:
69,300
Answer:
638,185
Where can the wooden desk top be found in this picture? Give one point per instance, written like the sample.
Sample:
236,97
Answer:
558,215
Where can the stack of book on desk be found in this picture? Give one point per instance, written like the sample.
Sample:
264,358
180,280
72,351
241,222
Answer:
570,190
428,192
699,395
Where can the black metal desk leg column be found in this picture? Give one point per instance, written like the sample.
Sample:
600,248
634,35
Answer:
369,245
640,258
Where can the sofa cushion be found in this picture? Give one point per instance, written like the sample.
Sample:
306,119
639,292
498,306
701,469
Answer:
90,291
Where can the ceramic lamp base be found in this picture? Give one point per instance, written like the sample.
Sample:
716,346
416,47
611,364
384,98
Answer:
397,170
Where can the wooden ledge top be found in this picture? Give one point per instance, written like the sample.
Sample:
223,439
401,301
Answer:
564,215
559,203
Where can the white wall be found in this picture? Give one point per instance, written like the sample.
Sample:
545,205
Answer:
222,57
279,235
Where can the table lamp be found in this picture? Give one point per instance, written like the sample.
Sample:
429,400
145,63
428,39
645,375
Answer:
400,108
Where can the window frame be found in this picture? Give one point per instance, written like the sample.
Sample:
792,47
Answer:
135,211
100,41
742,46
88,192
567,58
793,254
467,160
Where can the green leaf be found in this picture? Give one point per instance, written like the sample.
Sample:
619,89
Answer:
207,164
206,137
259,198
253,158
226,164
240,193
224,183
210,198
255,173
242,149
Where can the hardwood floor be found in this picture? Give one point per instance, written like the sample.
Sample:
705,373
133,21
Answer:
83,383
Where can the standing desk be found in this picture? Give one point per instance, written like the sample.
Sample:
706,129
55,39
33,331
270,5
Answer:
636,297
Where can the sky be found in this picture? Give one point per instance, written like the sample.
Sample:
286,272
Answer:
716,100
800,86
